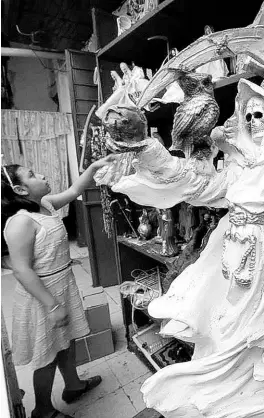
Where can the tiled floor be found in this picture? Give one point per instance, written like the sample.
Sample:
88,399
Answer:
118,396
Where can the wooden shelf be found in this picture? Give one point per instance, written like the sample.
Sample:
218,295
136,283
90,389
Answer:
164,114
148,248
133,44
225,81
181,21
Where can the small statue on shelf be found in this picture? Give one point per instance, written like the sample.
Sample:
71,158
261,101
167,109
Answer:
186,221
217,69
158,237
150,5
137,82
136,9
123,23
127,73
174,93
168,247
144,228
245,63
117,79
137,72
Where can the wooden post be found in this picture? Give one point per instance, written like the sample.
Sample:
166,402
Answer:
13,392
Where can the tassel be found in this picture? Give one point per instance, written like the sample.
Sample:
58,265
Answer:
18,138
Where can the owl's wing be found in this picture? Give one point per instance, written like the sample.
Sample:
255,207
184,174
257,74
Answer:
187,116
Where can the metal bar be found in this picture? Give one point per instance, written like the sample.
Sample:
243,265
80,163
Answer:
86,85
30,53
84,100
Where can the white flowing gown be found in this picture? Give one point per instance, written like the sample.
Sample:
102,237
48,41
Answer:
222,313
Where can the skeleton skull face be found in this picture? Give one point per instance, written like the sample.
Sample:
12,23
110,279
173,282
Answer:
254,116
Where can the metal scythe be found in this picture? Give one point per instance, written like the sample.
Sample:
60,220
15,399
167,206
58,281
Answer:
217,45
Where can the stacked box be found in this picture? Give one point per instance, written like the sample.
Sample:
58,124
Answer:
99,342
97,310
94,346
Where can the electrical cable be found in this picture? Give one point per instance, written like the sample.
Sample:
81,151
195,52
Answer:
47,68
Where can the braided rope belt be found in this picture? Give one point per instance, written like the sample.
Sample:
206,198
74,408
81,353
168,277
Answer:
240,217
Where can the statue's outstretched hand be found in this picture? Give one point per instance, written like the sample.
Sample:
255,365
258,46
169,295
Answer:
126,127
231,129
225,135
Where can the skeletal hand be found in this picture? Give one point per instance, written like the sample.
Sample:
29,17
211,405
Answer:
231,129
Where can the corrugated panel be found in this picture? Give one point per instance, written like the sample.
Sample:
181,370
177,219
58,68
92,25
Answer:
80,67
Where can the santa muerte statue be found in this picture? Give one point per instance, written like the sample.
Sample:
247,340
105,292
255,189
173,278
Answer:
216,302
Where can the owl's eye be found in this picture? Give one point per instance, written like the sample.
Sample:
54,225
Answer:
206,82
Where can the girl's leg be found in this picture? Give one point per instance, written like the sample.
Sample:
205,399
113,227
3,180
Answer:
67,366
74,387
43,381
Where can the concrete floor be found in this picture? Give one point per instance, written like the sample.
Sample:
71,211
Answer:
118,396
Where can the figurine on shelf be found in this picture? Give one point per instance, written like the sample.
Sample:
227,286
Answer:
127,73
174,93
137,83
123,24
217,69
158,237
245,63
186,221
136,9
144,228
150,5
117,79
137,72
168,247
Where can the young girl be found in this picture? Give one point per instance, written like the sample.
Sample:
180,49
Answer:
48,314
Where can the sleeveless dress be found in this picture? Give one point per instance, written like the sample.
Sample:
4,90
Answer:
34,339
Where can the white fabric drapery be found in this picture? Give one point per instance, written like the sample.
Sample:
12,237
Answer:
43,137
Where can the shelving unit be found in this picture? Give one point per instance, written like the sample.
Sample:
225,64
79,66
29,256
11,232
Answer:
226,81
181,22
140,341
122,48
148,248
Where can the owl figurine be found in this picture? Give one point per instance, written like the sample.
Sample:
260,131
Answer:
196,116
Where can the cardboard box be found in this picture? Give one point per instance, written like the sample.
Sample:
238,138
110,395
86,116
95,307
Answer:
94,346
92,291
97,311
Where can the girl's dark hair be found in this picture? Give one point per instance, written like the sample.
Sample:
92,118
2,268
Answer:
11,202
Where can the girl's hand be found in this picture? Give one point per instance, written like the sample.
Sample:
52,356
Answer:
106,160
59,317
